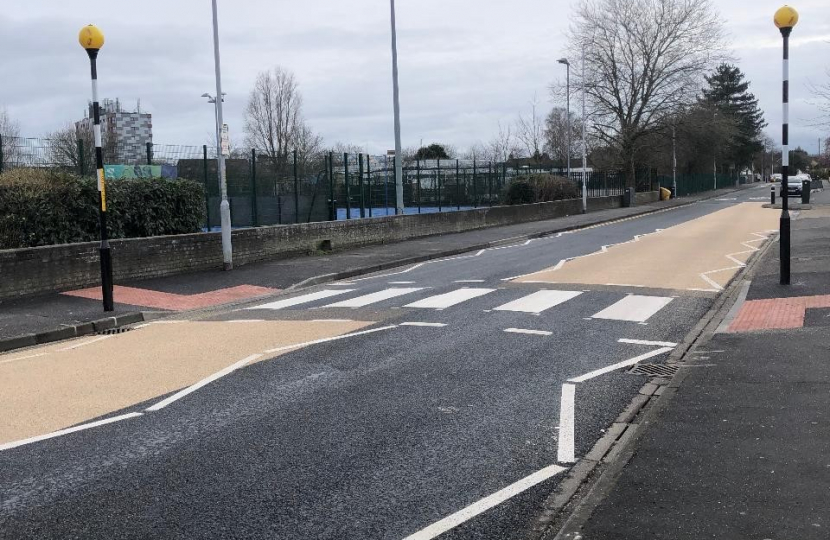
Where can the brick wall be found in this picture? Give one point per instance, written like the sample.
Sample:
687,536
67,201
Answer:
45,269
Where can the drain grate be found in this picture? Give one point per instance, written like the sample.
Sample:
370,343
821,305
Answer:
654,370
113,331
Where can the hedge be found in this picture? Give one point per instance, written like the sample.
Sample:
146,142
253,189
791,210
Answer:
540,188
39,207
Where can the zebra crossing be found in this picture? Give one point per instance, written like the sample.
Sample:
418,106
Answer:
630,308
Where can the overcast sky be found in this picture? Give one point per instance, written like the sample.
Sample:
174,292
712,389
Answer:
465,65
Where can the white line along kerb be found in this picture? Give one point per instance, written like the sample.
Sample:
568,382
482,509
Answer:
15,444
565,450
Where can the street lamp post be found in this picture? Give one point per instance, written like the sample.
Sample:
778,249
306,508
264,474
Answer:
785,19
568,107
92,39
224,206
584,143
397,111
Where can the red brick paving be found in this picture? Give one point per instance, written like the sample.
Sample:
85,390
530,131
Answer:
175,302
776,313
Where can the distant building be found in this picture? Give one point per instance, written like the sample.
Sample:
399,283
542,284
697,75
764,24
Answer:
124,134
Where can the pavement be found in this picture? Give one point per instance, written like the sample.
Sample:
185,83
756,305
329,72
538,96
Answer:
739,445
33,320
443,398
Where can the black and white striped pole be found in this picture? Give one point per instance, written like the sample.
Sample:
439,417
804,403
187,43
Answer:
92,39
785,19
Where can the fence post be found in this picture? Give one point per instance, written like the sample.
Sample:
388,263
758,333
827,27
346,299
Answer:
457,188
490,180
81,161
369,181
296,191
475,187
149,153
439,185
332,202
254,216
418,181
346,179
1,153
207,194
360,185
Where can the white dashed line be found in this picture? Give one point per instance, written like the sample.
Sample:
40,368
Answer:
528,332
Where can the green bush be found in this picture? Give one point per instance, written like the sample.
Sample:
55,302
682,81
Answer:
540,188
39,208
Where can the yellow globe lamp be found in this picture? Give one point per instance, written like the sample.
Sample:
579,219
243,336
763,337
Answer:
786,17
91,38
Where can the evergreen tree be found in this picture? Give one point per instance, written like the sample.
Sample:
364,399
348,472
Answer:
433,151
729,92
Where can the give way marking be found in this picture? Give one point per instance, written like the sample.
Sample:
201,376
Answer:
567,411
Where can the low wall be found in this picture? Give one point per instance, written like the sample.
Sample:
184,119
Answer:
39,270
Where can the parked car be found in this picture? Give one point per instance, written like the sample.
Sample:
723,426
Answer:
794,184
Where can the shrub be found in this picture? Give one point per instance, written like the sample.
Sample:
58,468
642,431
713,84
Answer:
541,188
39,208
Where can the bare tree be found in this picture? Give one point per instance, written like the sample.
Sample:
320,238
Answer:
644,59
9,130
530,131
822,95
556,134
503,146
274,122
476,151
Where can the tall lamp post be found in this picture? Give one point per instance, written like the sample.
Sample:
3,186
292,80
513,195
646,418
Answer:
785,19
397,111
584,143
224,206
92,39
568,111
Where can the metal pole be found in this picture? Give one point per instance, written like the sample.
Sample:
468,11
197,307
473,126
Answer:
149,153
104,251
369,181
332,202
439,184
224,206
346,182
490,180
457,188
296,190
207,194
568,91
360,185
254,217
584,143
784,222
418,181
397,109
475,187
674,160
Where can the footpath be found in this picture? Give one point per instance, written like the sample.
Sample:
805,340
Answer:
29,321
738,445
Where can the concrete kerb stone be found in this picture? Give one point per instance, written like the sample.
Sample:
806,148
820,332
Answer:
558,526
69,331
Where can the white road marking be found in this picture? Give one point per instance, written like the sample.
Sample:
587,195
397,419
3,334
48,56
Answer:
326,340
303,299
427,324
620,365
565,447
529,332
15,444
207,380
23,358
443,301
760,237
644,342
85,343
372,298
401,283
634,308
466,514
236,321
539,301
469,281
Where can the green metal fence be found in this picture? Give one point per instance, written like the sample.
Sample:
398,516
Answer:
689,184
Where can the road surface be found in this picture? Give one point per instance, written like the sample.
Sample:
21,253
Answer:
441,399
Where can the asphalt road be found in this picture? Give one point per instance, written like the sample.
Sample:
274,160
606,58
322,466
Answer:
379,435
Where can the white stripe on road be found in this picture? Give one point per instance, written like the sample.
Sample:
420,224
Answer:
402,283
644,342
539,301
425,324
529,332
326,340
469,281
565,450
620,365
449,299
85,343
207,380
304,299
485,504
367,299
15,444
634,308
